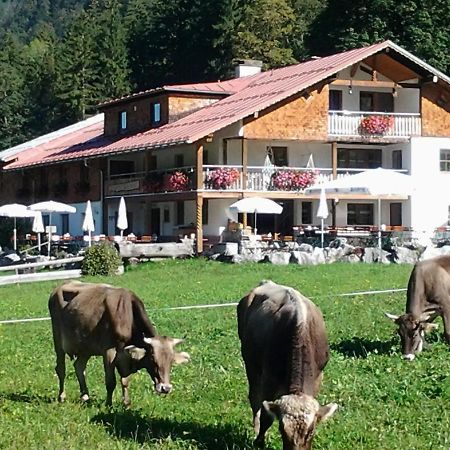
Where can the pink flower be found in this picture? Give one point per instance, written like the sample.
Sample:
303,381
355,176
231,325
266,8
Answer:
178,181
293,180
223,177
376,124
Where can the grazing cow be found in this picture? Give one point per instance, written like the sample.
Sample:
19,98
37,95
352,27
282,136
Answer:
285,349
100,320
428,296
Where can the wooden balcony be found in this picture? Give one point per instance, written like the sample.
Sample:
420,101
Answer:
223,179
350,124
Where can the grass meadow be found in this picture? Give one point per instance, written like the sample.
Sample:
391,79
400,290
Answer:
385,403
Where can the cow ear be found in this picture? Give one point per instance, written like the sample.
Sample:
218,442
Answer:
424,317
135,352
272,408
429,327
325,412
176,341
391,316
181,357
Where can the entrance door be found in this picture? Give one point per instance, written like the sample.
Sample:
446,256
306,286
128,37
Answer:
155,221
285,221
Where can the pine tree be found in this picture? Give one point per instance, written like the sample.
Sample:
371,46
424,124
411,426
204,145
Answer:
13,111
77,72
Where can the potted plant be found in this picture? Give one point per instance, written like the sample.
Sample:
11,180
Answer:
293,180
376,124
222,178
177,181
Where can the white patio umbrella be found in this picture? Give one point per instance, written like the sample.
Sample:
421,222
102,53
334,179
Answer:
88,222
51,207
377,182
122,221
15,210
38,227
322,212
267,171
256,205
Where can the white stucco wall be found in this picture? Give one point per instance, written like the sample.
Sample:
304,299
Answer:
431,198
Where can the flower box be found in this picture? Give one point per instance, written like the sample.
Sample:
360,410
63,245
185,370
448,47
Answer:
293,180
177,181
376,125
222,178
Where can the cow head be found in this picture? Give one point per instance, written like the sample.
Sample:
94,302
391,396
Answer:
157,357
298,416
411,330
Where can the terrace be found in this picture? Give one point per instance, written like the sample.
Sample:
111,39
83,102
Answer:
231,178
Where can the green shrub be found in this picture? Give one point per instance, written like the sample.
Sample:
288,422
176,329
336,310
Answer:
101,259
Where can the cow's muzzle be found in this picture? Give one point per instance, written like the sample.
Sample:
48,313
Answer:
409,356
163,388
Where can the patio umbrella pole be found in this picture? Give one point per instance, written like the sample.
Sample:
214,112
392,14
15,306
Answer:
15,234
49,234
379,229
256,216
321,234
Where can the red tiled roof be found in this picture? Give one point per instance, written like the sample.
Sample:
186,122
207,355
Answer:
252,94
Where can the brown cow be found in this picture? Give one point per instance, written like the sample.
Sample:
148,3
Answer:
428,296
285,349
100,320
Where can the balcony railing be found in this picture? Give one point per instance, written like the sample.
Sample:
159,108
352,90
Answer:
351,124
223,178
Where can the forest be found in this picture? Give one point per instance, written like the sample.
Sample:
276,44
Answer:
60,58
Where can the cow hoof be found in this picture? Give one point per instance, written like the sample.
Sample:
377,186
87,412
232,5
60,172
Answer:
62,398
85,398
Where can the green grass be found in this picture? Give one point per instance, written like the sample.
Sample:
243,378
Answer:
385,403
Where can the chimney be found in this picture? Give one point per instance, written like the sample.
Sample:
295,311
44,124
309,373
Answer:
246,67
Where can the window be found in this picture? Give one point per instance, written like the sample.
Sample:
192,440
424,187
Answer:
180,213
166,215
445,160
122,121
376,101
205,212
349,158
395,212
278,156
156,113
335,100
64,223
117,167
179,160
360,214
205,157
307,212
225,152
397,162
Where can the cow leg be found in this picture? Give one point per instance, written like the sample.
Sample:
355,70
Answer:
446,320
80,367
61,372
125,381
110,375
265,422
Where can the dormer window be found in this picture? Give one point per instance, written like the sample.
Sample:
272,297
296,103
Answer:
156,113
122,122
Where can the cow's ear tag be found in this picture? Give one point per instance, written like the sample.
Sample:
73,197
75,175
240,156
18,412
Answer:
135,352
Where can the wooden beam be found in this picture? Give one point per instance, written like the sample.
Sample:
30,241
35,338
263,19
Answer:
365,83
334,159
244,163
199,173
354,69
199,225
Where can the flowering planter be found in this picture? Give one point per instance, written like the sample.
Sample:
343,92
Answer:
376,125
177,181
293,180
222,178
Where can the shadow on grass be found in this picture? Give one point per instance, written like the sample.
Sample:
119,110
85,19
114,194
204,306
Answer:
25,397
357,347
136,427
